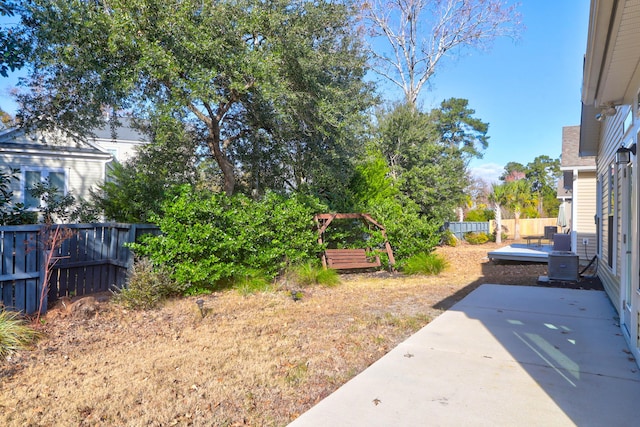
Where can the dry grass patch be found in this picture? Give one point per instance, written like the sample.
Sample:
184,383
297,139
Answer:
258,360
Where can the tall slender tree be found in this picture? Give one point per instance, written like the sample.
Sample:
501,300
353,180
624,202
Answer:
427,153
543,174
459,128
497,198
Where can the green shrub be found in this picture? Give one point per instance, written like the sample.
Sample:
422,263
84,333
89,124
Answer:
309,274
251,282
492,237
479,215
15,333
327,277
476,238
208,238
425,263
146,287
449,239
408,232
529,212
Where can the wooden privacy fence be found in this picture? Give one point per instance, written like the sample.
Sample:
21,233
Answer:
92,258
528,226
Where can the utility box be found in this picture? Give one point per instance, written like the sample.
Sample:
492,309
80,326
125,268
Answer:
563,265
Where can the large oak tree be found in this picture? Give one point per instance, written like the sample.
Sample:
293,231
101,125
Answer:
272,88
12,48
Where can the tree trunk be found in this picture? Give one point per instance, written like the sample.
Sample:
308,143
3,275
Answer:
213,141
540,205
516,227
498,216
229,183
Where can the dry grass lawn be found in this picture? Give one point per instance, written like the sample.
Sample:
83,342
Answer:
258,360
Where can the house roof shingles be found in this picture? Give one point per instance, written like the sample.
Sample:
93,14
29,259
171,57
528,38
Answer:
570,146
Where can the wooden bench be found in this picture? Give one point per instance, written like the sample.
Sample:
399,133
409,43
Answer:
345,259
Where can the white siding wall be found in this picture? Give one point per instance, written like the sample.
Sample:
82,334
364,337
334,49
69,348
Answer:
586,202
123,150
82,174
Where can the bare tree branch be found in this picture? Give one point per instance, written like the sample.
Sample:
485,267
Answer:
418,34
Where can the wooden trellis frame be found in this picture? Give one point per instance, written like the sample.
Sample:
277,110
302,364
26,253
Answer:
324,220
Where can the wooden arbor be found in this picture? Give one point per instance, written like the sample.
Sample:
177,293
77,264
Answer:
351,258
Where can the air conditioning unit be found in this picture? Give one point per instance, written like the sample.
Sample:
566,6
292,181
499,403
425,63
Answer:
549,231
563,265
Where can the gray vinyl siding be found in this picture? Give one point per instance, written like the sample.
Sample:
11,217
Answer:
612,138
586,252
611,286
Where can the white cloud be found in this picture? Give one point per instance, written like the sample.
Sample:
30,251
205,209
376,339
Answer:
488,172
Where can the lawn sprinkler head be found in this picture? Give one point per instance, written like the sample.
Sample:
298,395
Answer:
200,303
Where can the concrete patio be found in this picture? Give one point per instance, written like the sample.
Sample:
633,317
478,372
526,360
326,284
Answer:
503,356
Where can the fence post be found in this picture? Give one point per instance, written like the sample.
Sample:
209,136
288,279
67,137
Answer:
131,239
42,296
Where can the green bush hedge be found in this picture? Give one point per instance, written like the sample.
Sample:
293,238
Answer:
408,232
209,239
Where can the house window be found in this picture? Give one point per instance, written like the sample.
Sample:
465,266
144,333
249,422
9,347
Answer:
31,176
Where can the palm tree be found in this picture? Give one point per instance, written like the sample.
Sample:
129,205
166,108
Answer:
497,197
518,197
515,196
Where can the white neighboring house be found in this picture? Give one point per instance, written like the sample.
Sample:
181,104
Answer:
611,124
124,145
69,165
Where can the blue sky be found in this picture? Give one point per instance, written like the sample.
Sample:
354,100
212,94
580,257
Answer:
6,103
526,90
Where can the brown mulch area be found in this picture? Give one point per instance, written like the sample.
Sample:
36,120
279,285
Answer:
257,360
